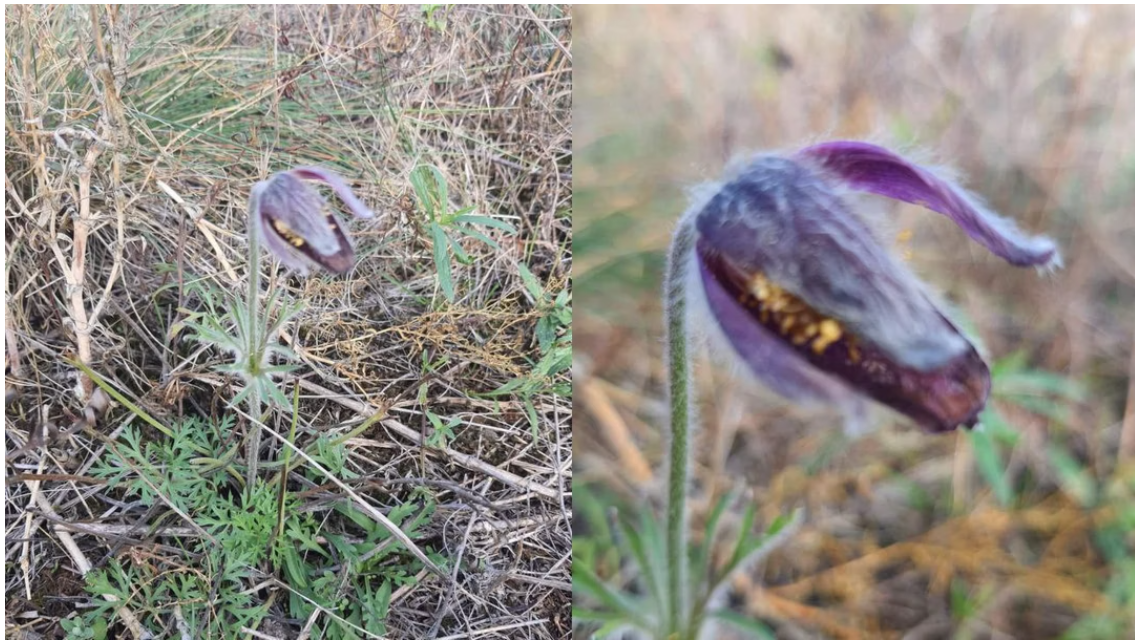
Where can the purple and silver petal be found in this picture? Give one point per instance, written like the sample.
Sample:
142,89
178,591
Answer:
802,354
806,295
337,185
873,169
781,368
296,225
781,219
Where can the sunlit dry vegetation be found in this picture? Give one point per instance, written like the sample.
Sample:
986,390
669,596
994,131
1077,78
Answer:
432,382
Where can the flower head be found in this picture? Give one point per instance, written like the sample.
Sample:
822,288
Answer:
294,221
816,307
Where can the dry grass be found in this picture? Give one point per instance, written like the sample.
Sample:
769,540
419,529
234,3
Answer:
904,537
133,137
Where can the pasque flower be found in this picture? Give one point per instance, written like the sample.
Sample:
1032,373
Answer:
293,220
813,304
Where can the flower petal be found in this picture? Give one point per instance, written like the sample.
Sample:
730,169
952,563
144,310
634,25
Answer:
877,170
780,219
298,227
777,365
768,358
803,355
277,247
338,185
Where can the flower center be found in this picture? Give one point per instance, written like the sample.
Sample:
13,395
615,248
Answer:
792,319
287,233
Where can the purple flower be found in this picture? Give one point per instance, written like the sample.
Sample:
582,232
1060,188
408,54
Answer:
294,221
816,307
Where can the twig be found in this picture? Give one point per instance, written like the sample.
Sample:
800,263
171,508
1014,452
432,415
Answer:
548,32
615,431
75,273
467,461
496,525
360,502
494,629
81,561
202,225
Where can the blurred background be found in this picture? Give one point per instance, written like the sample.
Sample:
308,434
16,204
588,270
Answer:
1024,530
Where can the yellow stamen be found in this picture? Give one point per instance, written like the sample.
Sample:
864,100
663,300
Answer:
286,232
786,324
830,332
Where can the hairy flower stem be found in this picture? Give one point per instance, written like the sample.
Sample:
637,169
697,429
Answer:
680,422
252,456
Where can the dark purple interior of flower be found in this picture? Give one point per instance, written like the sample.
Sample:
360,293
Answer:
339,262
939,399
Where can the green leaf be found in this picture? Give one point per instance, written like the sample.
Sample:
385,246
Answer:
361,519
545,333
533,418
653,574
441,260
282,368
270,392
99,627
701,555
1009,364
1035,382
381,607
587,582
431,190
1074,478
997,428
1056,410
120,398
745,540
531,283
506,388
468,231
990,466
294,567
458,251
241,397
654,545
579,614
754,629
486,221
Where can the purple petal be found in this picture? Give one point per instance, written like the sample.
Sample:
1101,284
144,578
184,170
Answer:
276,246
877,170
780,219
338,185
768,358
802,354
295,224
